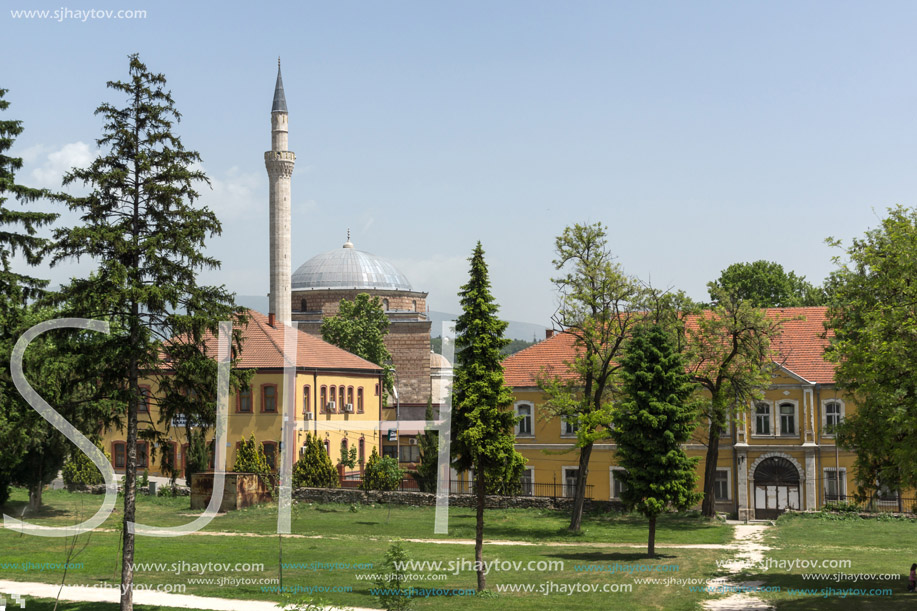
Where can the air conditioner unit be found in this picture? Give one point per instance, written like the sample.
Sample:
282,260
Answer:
330,406
307,416
413,441
348,408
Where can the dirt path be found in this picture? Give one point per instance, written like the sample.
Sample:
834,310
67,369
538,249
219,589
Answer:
750,552
141,597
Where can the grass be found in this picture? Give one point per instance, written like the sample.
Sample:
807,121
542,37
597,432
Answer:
343,536
872,546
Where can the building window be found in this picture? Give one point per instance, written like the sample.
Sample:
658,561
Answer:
762,419
835,484
787,418
884,493
415,305
569,475
244,403
721,485
360,400
270,453
409,453
569,425
389,451
328,447
340,398
385,304
143,455
377,390
323,393
302,305
617,482
306,399
350,396
269,398
524,426
528,481
144,405
833,414
119,455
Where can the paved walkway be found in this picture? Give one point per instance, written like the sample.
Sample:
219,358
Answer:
141,597
747,540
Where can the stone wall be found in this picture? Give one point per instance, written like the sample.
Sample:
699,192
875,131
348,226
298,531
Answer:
424,499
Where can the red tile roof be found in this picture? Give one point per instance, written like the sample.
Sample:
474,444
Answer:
263,348
800,348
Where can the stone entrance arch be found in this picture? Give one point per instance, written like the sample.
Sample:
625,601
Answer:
777,481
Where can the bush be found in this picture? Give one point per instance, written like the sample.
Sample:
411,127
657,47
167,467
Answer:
381,473
314,468
393,595
251,459
80,471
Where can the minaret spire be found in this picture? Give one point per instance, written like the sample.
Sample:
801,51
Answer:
279,162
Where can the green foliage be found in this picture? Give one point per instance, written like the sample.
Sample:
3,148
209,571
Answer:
348,457
360,327
314,468
729,353
394,589
428,445
144,480
599,304
652,422
874,323
381,473
251,459
765,284
482,422
79,471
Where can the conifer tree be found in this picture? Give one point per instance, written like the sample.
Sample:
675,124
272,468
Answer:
652,421
483,423
428,445
141,226
314,468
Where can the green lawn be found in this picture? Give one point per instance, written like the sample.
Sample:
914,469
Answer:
363,536
872,546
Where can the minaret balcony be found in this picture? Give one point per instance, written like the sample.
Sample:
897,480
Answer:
280,156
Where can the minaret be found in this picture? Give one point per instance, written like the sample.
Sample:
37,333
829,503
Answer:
279,162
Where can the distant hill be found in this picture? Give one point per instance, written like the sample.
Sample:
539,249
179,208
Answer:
516,330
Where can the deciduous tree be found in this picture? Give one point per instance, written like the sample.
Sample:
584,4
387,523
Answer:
765,284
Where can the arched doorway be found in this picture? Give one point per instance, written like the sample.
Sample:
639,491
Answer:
776,488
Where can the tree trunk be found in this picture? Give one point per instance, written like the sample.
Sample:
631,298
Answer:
479,530
708,508
579,497
130,478
651,545
35,496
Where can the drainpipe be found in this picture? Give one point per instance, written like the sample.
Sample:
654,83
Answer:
818,463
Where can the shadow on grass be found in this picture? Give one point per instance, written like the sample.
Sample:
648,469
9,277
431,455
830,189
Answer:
605,558
830,594
19,509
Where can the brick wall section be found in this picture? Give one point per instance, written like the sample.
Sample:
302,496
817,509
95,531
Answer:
408,338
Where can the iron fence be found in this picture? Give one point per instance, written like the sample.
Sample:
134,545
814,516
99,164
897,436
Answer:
876,504
551,490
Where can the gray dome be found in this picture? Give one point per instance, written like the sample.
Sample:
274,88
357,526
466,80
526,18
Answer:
348,268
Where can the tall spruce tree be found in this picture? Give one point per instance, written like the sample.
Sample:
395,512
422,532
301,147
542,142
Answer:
652,420
141,226
483,423
18,235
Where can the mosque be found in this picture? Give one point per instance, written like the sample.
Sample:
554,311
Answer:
315,289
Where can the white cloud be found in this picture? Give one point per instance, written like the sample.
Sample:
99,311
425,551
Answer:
235,194
54,164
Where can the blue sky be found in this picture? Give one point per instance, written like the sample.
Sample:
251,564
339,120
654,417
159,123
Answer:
702,134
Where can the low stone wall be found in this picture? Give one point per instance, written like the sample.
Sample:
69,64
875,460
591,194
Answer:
426,499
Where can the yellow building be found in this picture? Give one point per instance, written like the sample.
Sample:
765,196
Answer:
331,386
778,454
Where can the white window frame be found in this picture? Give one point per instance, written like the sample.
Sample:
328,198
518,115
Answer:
824,415
770,419
563,429
842,472
563,474
531,418
779,418
531,471
611,482
728,471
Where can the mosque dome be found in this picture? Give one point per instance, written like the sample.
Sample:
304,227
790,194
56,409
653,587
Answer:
349,268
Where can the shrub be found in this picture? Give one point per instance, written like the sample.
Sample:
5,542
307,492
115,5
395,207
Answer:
79,470
251,459
381,473
393,595
314,468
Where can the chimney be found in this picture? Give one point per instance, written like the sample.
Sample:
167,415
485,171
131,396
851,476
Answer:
548,333
271,320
